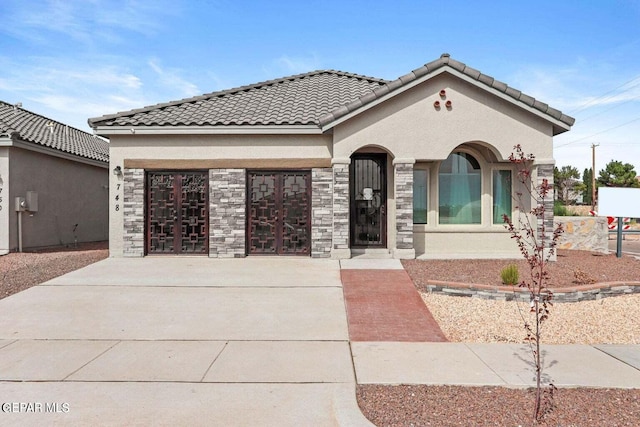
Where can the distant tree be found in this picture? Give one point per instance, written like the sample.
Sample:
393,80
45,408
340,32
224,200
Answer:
566,183
587,192
618,174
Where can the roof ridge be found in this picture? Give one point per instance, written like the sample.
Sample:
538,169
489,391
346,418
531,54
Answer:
230,91
43,117
445,60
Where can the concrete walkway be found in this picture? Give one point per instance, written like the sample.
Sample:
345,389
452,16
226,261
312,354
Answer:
256,341
180,341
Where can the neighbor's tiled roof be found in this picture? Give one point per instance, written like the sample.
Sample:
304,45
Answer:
316,98
296,100
34,128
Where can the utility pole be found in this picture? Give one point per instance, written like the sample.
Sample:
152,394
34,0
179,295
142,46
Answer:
593,176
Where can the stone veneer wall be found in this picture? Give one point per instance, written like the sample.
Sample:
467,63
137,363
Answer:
404,205
133,212
321,212
545,171
227,213
586,233
341,206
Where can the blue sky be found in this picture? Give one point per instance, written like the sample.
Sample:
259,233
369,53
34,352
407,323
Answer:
70,60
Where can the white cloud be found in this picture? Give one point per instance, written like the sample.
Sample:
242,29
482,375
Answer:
86,21
287,65
171,79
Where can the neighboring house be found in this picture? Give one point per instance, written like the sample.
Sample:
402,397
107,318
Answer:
328,164
53,182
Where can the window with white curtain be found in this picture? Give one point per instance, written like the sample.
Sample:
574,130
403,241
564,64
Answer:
459,190
501,195
420,196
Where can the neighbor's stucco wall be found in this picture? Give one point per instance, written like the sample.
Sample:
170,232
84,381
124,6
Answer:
69,193
409,126
5,200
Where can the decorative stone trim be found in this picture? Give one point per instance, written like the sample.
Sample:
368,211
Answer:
133,212
321,212
513,293
227,213
340,244
404,207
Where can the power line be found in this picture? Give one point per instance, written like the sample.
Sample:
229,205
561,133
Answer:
598,133
604,96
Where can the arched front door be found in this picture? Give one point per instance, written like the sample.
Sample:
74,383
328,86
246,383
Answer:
368,193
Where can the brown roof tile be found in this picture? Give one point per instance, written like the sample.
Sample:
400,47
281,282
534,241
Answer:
34,128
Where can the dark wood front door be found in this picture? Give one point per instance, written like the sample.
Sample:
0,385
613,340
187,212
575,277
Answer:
279,207
177,217
368,210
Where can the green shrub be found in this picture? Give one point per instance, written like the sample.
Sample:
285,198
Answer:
559,209
510,275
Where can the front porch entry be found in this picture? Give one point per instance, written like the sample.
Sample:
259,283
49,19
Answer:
368,195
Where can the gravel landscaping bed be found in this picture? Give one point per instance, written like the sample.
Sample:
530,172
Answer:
463,319
19,271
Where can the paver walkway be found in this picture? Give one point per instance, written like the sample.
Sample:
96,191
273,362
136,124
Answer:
384,305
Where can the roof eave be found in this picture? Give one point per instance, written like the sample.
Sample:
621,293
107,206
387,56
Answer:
38,148
209,130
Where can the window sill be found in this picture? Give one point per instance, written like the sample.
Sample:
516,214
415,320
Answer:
458,228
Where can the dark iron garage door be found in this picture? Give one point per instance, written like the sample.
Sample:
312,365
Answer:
177,217
279,206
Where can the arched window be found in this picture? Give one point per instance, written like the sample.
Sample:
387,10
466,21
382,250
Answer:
459,184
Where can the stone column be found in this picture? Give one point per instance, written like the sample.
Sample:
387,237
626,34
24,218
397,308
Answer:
321,212
403,179
340,246
133,212
227,213
545,171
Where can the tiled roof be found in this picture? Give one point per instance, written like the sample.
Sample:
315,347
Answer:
444,61
317,98
34,128
296,100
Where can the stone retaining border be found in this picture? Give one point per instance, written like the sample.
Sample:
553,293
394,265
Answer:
576,293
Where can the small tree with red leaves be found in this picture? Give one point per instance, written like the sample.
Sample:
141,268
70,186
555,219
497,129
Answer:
537,247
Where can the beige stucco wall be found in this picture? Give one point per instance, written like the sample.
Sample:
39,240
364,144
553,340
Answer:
409,126
69,193
137,146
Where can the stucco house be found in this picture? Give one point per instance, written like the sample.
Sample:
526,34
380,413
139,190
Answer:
328,164
53,182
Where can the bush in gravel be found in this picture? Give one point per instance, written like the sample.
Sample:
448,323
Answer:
510,275
537,247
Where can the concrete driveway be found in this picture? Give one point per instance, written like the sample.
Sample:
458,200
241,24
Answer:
180,341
